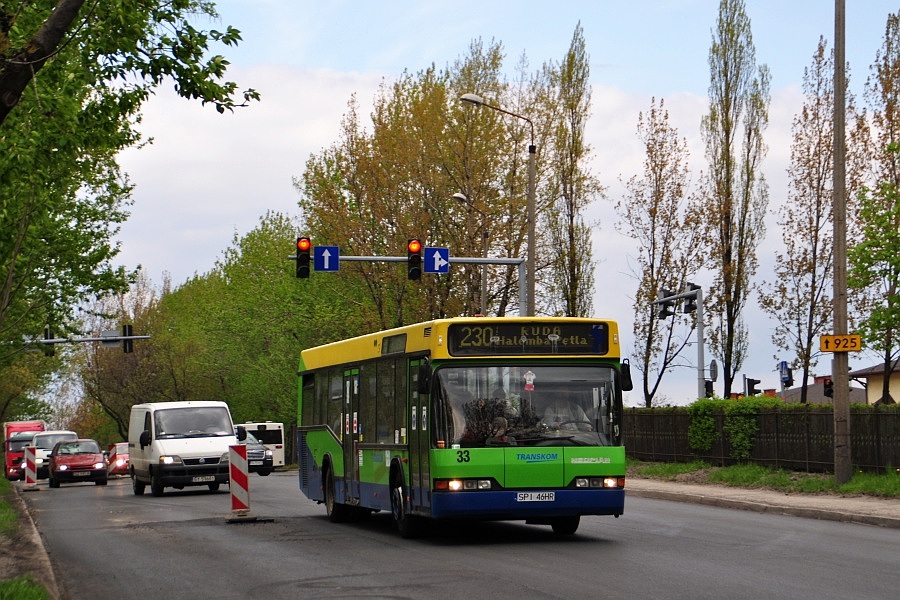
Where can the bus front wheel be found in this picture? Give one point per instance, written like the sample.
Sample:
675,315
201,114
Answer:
565,525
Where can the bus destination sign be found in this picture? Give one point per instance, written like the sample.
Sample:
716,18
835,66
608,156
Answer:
473,339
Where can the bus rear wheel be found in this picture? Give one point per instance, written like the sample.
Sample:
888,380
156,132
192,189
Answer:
565,525
337,512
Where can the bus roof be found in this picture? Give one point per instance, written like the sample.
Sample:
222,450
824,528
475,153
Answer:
474,336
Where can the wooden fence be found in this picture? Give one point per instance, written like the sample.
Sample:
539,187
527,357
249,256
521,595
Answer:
795,440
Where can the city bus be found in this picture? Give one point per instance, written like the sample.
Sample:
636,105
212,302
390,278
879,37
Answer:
270,435
454,419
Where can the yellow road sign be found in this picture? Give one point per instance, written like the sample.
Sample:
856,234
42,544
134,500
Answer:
840,343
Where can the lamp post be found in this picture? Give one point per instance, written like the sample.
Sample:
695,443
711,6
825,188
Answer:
532,153
484,246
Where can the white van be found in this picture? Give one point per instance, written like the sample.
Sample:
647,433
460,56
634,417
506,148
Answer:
43,443
180,444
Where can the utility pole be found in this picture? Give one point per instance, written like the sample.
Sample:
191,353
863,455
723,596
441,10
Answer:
840,368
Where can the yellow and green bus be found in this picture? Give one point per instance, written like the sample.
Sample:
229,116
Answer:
493,418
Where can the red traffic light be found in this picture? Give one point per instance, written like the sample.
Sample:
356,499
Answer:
303,244
414,246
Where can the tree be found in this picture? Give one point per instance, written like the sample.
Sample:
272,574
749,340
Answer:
800,296
572,187
875,274
87,72
737,197
147,39
658,211
875,263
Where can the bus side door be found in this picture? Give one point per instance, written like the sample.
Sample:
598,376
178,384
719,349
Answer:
351,434
419,441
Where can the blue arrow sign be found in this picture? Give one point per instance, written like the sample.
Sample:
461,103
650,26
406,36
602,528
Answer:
326,258
437,260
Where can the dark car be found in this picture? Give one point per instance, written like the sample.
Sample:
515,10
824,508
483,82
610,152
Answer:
118,459
259,458
77,460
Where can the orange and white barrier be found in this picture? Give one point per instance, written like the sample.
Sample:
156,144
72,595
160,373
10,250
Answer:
239,482
30,469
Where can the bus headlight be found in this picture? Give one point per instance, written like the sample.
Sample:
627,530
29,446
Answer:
169,460
462,485
600,482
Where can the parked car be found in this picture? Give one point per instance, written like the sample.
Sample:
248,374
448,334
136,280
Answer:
118,459
259,458
77,460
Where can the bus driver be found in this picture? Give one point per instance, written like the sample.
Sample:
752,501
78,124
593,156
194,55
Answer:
566,415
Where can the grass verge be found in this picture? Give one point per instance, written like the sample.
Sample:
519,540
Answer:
22,587
756,476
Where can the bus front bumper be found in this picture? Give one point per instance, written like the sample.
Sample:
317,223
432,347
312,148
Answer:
525,504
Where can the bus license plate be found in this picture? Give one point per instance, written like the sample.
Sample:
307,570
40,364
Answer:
535,496
203,478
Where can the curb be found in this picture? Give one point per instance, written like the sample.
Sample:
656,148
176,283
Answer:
762,507
47,578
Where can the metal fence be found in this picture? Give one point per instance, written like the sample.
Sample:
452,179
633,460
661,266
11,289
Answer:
788,439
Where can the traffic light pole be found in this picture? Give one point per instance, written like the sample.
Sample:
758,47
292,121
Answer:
461,260
697,295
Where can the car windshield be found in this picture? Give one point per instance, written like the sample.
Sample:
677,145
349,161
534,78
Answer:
250,439
536,405
83,447
47,442
209,421
18,443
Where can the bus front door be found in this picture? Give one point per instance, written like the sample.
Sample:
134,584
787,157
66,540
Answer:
419,441
351,435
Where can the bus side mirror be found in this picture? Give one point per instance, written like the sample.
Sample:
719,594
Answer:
144,439
424,378
241,433
627,384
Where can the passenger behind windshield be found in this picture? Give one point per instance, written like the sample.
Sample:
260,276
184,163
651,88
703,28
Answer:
525,406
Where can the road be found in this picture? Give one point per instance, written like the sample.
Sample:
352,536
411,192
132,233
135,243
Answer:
104,542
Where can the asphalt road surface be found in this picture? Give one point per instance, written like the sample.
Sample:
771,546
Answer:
104,542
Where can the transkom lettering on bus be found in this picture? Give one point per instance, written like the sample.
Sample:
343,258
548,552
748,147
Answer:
537,457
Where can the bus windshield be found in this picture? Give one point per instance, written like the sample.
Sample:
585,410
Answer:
525,405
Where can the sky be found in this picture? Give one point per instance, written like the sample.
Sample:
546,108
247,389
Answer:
207,178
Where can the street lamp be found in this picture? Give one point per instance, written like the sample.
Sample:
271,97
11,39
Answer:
459,196
532,152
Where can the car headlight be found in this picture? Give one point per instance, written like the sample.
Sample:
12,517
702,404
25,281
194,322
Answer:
268,452
63,468
224,459
170,460
99,465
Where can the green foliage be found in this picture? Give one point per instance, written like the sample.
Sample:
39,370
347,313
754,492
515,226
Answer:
740,423
702,429
23,588
669,471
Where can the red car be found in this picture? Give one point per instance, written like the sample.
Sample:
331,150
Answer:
77,460
118,459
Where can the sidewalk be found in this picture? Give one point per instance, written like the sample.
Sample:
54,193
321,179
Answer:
883,512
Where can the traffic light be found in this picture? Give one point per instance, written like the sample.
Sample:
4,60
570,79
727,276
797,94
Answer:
127,345
708,388
828,387
49,350
665,306
751,386
690,303
303,248
414,259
